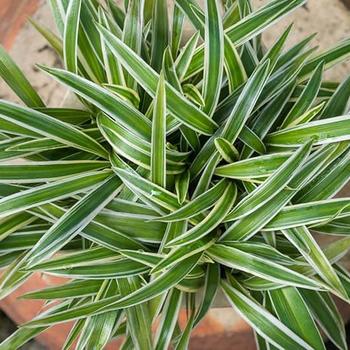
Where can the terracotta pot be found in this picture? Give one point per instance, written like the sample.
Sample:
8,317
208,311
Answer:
13,14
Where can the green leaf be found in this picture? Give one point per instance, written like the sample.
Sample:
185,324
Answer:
117,13
158,154
99,330
265,121
138,316
310,213
182,183
135,149
272,186
197,205
330,57
73,334
70,41
169,70
294,313
193,94
256,22
177,29
126,93
50,127
185,336
307,98
86,257
256,167
152,289
33,197
237,118
148,78
232,14
34,146
74,220
160,33
66,291
68,115
245,103
287,57
132,32
14,129
31,172
321,132
234,67
263,251
108,236
252,223
12,223
339,102
189,8
12,277
250,139
121,268
181,253
250,263
54,40
207,175
58,8
212,220
189,90
131,207
186,54
114,71
227,151
89,334
168,320
314,256
147,188
308,115
90,44
274,53
17,81
214,56
138,227
145,258
264,323
328,182
108,102
212,281
327,316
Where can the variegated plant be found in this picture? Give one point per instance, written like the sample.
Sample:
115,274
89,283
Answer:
192,166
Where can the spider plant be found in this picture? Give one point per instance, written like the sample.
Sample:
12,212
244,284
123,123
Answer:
193,164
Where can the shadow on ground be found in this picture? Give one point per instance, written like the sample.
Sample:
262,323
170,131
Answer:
8,327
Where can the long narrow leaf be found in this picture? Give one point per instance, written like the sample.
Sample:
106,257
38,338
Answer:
158,155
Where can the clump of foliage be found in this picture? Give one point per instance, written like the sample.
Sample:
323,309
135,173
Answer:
190,168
